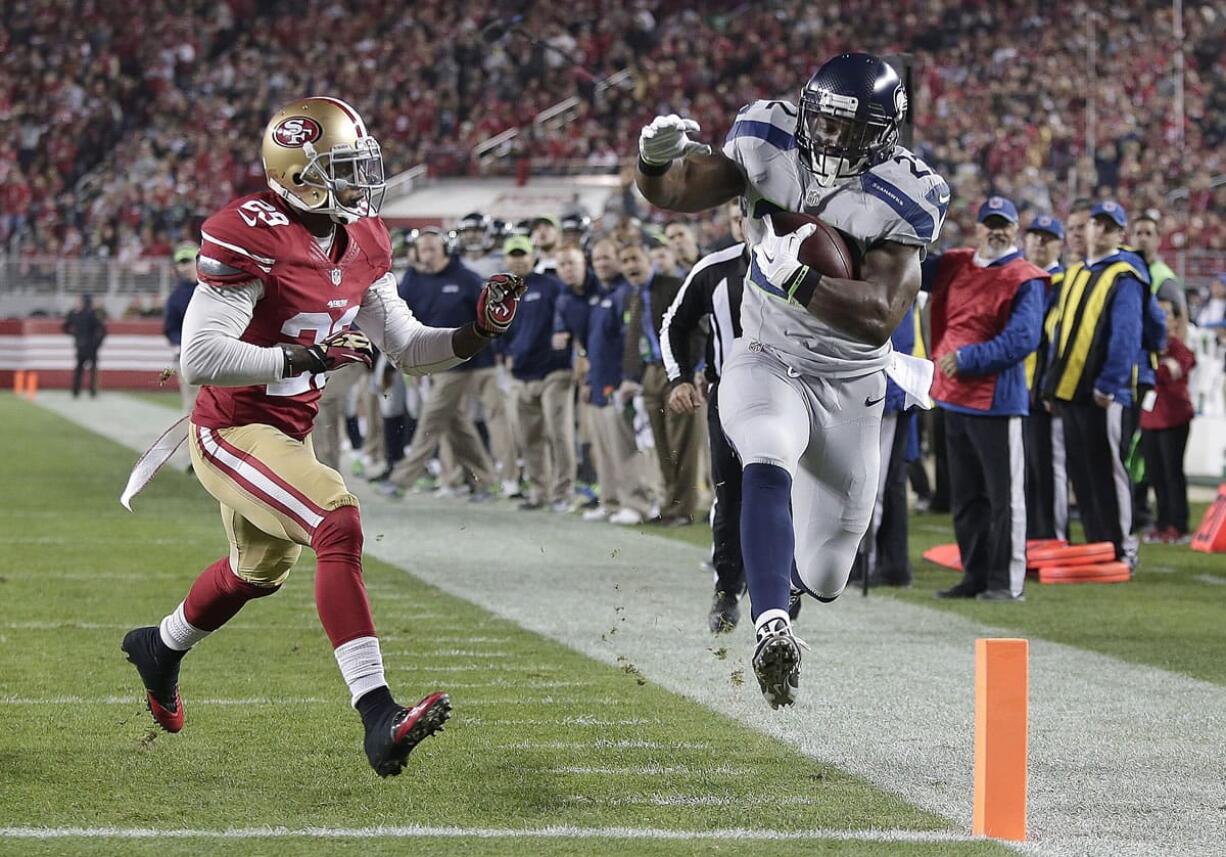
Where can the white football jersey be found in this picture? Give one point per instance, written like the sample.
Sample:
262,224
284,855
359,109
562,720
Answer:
900,200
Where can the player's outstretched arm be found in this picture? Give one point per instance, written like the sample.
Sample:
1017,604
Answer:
416,349
680,174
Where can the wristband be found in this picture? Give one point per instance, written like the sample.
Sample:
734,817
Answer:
648,169
481,333
802,285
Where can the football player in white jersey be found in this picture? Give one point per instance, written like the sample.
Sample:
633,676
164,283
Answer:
801,395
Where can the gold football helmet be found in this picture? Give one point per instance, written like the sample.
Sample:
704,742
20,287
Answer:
320,159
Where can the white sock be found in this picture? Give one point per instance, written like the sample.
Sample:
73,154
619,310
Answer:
179,634
768,615
361,665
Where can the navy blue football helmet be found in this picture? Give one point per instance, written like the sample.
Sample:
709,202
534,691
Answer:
850,113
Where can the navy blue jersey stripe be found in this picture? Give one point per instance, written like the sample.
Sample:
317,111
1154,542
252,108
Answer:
772,134
759,280
906,207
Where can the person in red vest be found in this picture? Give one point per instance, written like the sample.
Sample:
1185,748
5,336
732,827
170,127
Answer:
987,310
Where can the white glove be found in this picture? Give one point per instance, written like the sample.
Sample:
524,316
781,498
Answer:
666,139
778,256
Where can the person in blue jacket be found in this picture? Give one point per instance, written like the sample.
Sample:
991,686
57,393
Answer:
987,312
544,388
1090,376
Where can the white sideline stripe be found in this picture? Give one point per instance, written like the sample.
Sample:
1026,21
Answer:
257,479
423,832
532,685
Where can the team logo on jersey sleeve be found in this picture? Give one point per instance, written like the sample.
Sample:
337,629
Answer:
296,131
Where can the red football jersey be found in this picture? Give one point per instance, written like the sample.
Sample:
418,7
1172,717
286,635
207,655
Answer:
308,296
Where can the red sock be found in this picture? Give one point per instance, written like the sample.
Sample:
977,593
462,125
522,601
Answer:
217,596
340,595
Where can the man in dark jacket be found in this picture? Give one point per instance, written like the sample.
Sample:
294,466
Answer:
87,327
439,290
678,436
1089,376
543,383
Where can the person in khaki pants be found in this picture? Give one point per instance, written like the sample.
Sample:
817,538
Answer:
544,386
678,437
440,291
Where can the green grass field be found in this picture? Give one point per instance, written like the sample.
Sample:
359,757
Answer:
542,736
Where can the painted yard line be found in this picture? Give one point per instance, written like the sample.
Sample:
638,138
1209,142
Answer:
422,832
581,720
518,669
135,700
653,770
695,800
611,744
450,653
1212,579
1102,781
530,685
584,701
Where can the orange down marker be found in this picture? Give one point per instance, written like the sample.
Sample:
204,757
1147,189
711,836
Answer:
1002,690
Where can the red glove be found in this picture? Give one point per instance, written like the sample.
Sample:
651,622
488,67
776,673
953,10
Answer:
497,305
339,349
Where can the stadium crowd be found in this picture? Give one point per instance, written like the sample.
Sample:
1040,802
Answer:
139,127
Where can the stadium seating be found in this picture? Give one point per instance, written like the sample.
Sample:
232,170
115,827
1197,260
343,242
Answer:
152,122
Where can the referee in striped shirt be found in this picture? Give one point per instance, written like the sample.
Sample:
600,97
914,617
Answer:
713,288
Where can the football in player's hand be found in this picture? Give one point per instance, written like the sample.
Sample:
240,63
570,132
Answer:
825,251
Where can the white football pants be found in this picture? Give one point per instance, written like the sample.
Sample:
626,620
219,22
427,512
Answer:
825,432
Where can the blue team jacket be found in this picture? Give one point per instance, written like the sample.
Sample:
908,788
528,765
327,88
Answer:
529,344
447,299
606,340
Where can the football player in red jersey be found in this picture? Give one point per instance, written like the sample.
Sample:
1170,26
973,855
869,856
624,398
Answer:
284,275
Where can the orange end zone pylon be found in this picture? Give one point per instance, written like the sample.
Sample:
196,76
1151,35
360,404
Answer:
1002,693
1211,534
31,384
19,382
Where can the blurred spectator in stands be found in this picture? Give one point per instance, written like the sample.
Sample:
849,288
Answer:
1089,376
681,239
87,326
987,311
678,437
544,389
1165,426
176,307
441,292
625,485
546,238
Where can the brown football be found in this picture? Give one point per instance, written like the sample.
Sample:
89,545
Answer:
825,251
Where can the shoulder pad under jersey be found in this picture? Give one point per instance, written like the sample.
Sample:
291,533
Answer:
912,199
243,236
